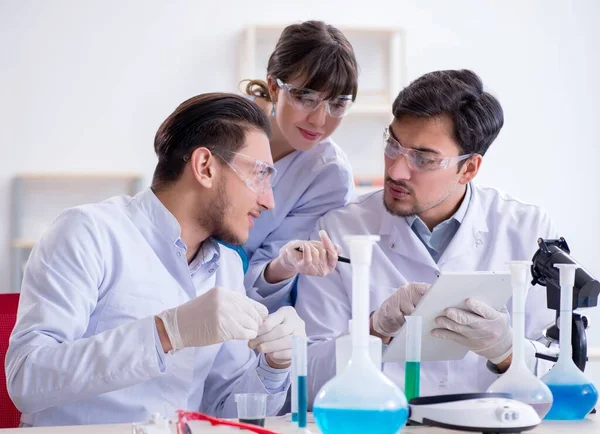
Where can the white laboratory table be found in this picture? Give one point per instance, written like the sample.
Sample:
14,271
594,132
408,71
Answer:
591,425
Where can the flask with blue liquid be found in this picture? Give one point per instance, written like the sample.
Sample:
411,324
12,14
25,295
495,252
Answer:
361,399
518,380
574,395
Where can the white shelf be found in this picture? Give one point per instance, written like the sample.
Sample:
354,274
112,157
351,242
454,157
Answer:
277,28
381,48
23,244
39,197
75,175
594,354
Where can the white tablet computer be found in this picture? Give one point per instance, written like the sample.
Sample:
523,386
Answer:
450,290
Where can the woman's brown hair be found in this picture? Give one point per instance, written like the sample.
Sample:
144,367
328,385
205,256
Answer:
317,52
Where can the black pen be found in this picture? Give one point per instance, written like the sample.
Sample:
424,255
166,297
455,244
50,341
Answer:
340,258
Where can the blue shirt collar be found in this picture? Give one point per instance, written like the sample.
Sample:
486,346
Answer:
209,253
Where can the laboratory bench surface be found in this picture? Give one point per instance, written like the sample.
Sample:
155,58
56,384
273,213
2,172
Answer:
591,425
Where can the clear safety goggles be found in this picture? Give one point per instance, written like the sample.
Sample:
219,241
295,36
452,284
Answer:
420,161
257,175
308,100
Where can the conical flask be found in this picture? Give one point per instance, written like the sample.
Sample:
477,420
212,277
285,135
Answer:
518,380
361,399
574,395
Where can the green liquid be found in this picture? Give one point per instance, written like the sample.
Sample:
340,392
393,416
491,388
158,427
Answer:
412,379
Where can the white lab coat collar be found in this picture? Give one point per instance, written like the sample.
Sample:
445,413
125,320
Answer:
470,233
166,225
163,221
404,242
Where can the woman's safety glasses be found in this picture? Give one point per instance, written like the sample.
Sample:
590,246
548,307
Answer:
308,100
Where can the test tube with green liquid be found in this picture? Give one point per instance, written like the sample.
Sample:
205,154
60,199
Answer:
412,367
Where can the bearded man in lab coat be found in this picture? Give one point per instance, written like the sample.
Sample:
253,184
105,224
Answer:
431,218
131,306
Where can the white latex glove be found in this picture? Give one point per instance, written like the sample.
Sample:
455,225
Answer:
389,318
216,316
317,258
275,335
482,329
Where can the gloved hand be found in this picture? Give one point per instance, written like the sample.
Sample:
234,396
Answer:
275,335
219,315
389,318
318,258
482,329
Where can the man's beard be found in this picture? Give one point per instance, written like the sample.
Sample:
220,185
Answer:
214,218
415,210
398,213
418,208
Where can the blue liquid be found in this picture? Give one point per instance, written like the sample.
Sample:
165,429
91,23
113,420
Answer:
572,401
294,417
348,421
302,401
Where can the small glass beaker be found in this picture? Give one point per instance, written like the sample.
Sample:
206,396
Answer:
252,408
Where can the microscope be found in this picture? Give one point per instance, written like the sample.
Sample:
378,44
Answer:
585,293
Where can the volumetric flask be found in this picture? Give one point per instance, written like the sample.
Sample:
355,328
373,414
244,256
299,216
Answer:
574,395
518,380
361,399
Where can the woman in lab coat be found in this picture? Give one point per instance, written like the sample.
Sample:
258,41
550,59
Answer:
311,85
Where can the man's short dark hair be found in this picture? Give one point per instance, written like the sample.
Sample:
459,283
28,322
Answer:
477,116
216,121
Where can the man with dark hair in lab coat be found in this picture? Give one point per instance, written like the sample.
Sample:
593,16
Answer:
131,306
432,218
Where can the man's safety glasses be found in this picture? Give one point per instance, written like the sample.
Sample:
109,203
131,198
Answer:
421,161
257,175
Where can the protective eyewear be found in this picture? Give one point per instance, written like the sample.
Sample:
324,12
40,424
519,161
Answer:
421,161
257,175
308,100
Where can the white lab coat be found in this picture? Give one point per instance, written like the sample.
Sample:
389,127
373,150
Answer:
496,229
85,349
308,185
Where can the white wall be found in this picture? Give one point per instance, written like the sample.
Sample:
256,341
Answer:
85,84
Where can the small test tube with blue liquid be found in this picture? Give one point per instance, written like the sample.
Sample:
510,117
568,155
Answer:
299,346
412,365
294,380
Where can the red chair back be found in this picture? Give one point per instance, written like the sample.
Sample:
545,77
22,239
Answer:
10,417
